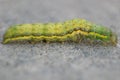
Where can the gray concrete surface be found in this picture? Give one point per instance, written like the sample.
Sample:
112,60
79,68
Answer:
58,61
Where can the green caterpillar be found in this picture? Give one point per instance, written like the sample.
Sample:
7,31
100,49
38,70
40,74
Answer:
76,30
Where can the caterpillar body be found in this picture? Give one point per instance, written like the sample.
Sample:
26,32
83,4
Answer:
75,30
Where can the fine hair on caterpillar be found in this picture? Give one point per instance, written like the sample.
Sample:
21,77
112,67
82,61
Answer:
75,30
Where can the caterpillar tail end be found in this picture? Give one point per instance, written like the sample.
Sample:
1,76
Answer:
5,41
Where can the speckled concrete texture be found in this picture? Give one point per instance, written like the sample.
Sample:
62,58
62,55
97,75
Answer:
56,61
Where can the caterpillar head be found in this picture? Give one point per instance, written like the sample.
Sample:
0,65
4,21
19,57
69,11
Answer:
113,39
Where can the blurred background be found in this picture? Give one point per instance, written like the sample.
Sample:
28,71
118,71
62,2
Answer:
59,61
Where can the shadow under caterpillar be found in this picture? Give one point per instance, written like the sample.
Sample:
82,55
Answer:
76,30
